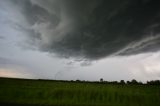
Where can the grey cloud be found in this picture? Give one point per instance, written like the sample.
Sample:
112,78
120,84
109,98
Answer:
2,37
4,61
9,62
93,29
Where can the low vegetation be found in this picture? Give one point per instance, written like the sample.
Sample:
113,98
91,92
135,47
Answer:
68,93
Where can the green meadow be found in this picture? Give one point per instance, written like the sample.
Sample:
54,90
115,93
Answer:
19,92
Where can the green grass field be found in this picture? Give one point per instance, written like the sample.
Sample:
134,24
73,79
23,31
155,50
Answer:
59,93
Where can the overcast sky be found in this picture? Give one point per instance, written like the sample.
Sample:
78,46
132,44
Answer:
80,39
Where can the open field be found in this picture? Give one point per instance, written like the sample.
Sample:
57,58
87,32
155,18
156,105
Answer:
18,92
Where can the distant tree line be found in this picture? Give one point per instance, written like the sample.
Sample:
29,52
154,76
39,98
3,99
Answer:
122,82
153,82
101,81
133,82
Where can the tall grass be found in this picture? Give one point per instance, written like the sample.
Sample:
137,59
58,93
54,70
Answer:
75,93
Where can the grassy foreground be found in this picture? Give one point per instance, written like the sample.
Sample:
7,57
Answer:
16,92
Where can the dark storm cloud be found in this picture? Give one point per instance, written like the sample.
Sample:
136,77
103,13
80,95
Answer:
94,29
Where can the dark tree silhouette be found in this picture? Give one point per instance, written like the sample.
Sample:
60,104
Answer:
155,82
122,82
101,80
128,82
134,81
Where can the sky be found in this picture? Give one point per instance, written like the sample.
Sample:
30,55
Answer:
80,39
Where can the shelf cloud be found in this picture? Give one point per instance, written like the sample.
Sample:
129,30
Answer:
91,29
